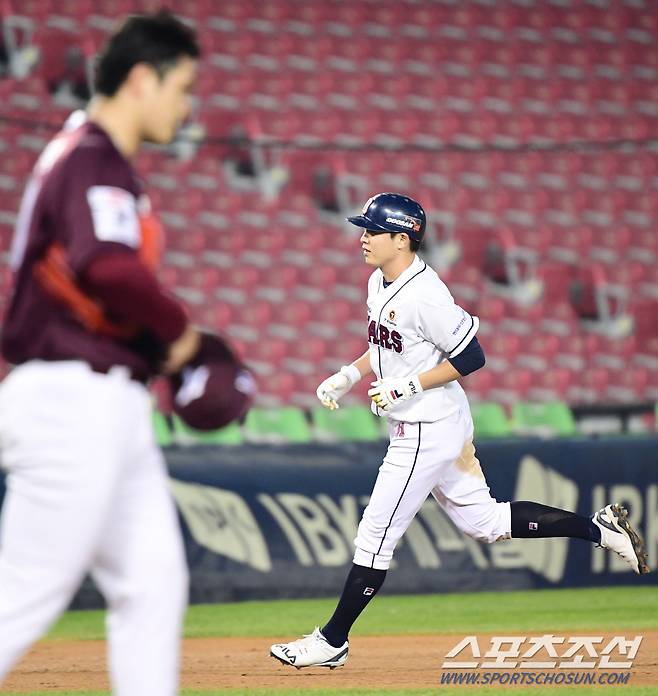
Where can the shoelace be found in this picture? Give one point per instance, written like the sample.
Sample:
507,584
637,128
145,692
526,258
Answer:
305,638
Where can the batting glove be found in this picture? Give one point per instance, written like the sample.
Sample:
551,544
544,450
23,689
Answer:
386,393
336,386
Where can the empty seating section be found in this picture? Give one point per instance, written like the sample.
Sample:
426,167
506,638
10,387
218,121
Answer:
555,246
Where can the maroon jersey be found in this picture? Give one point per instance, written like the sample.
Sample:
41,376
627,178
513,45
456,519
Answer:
83,200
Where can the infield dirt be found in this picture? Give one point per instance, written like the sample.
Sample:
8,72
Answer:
382,662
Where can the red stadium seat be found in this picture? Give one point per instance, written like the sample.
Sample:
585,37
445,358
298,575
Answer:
291,323
501,350
538,352
214,316
305,356
551,385
268,351
275,389
645,316
591,387
330,74
628,385
478,385
491,310
246,278
511,386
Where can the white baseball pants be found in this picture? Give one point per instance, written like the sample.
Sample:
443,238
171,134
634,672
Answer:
87,490
423,458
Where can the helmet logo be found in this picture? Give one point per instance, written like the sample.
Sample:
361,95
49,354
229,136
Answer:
367,205
408,222
194,384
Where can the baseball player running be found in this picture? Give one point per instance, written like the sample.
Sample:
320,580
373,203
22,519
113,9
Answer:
420,344
87,325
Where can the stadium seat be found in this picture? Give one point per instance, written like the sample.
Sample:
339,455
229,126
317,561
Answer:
275,389
478,385
277,425
543,419
504,74
184,435
551,384
489,420
348,423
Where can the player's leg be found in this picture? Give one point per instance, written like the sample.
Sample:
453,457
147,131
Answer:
532,520
142,572
60,464
465,497
609,528
463,493
406,477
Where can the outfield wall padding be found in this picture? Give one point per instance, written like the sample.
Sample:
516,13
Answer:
279,521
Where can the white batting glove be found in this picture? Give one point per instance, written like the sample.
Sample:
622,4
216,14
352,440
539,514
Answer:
336,386
387,393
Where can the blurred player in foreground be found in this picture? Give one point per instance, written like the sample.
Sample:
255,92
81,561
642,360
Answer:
420,343
88,324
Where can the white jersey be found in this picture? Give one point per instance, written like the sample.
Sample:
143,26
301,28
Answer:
413,325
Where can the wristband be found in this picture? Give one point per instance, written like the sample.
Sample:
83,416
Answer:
417,387
351,372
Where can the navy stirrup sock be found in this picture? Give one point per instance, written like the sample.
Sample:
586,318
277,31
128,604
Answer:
361,586
535,521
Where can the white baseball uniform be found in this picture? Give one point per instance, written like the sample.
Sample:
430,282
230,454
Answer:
87,488
88,491
413,325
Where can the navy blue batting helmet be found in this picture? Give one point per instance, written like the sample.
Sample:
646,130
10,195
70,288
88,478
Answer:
392,212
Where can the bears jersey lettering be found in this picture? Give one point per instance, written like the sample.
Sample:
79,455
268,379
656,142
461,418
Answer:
381,336
413,325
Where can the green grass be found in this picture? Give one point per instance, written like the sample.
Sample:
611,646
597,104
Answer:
612,609
536,610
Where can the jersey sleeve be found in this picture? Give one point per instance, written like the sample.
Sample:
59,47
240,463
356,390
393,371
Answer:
449,327
97,211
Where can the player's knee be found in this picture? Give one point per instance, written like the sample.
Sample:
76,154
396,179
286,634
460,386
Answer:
374,544
486,524
372,559
490,536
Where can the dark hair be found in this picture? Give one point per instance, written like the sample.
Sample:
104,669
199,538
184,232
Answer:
157,39
414,244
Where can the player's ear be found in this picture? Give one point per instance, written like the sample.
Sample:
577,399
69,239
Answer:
141,79
403,240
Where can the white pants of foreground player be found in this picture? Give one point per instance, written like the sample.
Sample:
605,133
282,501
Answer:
87,490
423,458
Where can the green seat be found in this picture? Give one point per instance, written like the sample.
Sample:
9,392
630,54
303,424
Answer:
489,420
184,435
348,423
161,427
544,419
286,424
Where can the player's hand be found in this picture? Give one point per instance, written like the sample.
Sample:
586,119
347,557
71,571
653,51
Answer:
387,393
182,350
335,387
